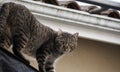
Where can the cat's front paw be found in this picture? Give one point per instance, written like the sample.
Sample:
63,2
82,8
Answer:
49,69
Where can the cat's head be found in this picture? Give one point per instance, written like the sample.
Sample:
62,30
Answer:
66,42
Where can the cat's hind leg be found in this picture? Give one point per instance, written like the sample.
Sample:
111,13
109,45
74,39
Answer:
5,41
20,39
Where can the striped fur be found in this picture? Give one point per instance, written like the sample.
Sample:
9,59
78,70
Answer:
53,49
21,29
18,27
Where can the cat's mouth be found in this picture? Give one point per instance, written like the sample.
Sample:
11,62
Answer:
68,50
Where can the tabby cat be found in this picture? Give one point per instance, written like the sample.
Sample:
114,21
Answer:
54,48
18,27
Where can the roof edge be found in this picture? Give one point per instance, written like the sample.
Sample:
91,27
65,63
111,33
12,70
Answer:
110,27
74,15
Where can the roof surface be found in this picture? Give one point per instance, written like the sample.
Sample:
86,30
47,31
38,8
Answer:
93,9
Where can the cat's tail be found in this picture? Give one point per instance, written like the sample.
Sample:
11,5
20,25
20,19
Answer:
4,13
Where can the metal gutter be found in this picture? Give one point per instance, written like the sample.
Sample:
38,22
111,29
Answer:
109,26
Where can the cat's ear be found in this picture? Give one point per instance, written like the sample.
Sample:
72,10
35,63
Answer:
76,35
60,32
